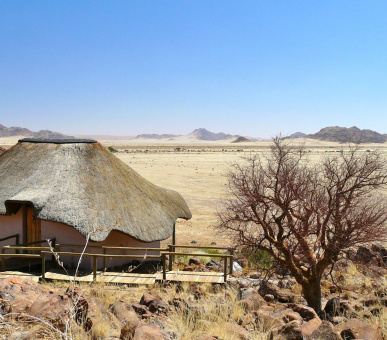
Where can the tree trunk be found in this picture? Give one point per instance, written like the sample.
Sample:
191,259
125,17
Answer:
312,293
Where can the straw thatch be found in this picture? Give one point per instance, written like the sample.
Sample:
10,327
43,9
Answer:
85,186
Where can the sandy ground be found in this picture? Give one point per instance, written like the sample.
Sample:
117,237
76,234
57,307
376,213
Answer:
198,174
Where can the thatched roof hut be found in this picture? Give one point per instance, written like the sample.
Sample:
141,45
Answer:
81,184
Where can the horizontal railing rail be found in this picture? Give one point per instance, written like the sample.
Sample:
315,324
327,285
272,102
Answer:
224,256
16,236
172,249
95,257
44,251
4,256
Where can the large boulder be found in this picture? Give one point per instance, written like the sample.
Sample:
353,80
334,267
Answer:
281,294
325,332
251,298
332,307
128,318
307,313
358,329
150,332
310,326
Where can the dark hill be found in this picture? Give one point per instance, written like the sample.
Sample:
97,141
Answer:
297,135
241,140
19,131
203,134
348,135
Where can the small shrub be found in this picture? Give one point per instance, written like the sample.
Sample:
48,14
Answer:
111,149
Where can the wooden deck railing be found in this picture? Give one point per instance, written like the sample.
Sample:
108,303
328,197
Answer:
44,251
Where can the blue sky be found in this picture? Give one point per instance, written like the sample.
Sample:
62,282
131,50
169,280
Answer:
254,68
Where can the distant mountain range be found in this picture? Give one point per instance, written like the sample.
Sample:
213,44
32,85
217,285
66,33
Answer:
197,134
18,131
155,136
344,135
330,134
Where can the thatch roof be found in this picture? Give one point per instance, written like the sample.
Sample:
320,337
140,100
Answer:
85,186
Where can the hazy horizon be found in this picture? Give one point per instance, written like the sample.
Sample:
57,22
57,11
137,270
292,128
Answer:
249,68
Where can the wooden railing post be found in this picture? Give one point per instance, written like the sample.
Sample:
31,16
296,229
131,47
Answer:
164,257
94,268
104,259
17,242
225,268
3,259
43,255
231,260
170,247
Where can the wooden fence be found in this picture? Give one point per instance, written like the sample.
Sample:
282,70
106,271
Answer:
164,252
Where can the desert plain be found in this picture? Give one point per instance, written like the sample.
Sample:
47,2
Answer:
197,170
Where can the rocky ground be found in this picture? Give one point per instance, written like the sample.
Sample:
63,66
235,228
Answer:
248,308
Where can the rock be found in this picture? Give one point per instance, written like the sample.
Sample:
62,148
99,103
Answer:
128,318
307,313
358,329
339,319
212,264
282,295
155,305
290,316
102,322
325,332
310,326
269,298
146,299
291,331
205,336
140,309
255,276
236,267
332,307
237,332
150,332
194,261
251,295
267,319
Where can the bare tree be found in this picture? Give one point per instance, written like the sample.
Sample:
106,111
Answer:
306,214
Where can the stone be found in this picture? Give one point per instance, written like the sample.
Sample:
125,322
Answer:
358,329
251,295
140,309
150,332
325,332
128,318
237,332
269,298
310,326
146,299
307,313
267,319
332,307
194,261
282,295
290,316
205,336
291,331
